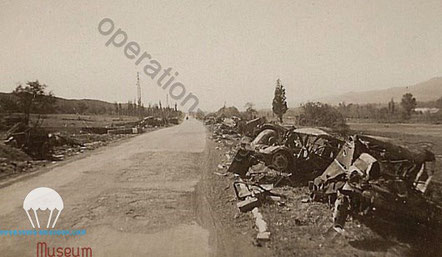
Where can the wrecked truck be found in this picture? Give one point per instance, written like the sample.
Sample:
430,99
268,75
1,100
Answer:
250,128
375,178
305,152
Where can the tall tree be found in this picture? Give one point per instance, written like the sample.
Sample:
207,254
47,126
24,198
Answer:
408,103
120,109
117,111
129,108
391,106
279,105
32,98
250,110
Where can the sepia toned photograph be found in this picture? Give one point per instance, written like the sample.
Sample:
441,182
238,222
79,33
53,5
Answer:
227,128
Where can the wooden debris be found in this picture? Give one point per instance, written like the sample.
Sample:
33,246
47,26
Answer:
242,191
248,204
261,225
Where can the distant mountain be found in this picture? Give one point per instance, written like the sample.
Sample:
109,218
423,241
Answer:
95,106
71,105
426,91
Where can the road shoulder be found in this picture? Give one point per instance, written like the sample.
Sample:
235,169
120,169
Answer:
231,232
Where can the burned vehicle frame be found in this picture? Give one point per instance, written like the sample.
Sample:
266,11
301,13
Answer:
374,178
304,152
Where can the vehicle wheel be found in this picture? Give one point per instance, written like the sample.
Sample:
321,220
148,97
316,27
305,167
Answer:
281,161
271,141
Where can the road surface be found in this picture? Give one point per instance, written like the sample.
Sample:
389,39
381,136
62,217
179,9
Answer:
133,199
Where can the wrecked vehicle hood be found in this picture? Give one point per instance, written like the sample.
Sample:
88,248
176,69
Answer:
372,158
311,131
386,150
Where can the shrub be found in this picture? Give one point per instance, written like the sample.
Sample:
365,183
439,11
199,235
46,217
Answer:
322,115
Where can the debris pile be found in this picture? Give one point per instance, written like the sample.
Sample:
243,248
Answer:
13,160
376,178
28,147
359,176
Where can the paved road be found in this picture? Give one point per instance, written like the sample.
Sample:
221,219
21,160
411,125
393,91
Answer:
133,199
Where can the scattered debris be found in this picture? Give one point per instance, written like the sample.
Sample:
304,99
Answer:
95,130
261,225
125,131
34,141
372,177
361,176
248,204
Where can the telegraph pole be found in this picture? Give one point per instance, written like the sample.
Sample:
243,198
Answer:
139,94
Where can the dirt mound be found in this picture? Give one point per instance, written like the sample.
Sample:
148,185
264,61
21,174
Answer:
12,154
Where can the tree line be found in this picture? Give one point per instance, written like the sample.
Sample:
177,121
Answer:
325,115
33,98
405,110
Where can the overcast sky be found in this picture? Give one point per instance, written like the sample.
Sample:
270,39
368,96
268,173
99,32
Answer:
229,51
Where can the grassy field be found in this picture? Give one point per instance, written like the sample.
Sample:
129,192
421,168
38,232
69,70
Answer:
14,162
73,123
78,121
402,128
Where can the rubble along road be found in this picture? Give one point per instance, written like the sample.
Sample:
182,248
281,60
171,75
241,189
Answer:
136,198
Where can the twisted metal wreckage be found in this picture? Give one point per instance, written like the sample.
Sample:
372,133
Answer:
360,176
377,178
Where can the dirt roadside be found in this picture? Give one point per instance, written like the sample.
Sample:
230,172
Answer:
302,228
153,195
19,166
232,233
133,198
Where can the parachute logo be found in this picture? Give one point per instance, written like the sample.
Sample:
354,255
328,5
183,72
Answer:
43,198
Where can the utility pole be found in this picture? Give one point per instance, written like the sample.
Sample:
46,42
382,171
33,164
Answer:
139,94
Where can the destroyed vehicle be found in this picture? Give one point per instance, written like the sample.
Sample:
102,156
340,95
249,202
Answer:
416,168
371,177
228,126
34,141
246,127
311,151
271,134
281,130
251,128
306,152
